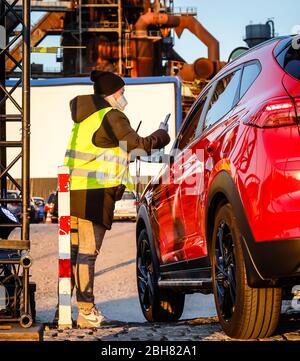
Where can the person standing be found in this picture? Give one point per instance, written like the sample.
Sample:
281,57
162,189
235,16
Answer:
98,155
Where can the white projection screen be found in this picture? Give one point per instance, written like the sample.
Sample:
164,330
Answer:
149,100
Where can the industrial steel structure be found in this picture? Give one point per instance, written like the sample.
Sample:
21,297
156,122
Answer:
131,37
15,260
134,38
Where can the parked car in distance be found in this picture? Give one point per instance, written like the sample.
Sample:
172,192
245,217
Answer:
39,203
33,212
52,206
222,216
125,208
14,208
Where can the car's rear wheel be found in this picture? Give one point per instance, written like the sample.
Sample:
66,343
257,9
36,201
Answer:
243,312
158,305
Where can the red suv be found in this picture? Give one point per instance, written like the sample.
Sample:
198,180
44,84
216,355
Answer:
223,214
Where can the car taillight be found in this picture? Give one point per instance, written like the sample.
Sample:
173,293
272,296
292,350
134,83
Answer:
297,104
277,113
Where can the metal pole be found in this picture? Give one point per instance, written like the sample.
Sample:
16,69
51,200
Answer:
80,36
26,121
3,159
25,290
120,35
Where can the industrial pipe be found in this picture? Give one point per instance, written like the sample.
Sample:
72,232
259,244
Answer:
179,23
192,24
26,261
26,320
152,18
144,46
201,69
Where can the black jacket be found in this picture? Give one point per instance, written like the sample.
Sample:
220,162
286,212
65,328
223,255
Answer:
97,205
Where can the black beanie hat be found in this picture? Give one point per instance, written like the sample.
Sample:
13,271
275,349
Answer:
105,82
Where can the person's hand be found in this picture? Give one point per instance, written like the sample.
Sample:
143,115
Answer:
164,126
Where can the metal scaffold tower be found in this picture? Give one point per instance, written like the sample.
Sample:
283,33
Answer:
96,26
15,260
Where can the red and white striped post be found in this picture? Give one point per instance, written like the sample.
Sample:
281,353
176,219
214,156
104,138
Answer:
64,249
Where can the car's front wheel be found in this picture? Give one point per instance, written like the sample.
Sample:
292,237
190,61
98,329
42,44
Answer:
244,312
158,305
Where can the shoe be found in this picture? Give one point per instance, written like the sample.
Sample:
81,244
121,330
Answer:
91,320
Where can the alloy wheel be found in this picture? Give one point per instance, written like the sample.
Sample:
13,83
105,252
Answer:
225,271
145,275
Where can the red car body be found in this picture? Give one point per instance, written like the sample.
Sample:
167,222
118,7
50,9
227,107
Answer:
249,157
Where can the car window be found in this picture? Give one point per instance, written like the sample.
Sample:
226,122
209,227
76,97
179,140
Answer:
250,73
128,196
188,132
223,98
12,195
289,60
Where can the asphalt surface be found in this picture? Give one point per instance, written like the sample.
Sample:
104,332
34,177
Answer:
116,295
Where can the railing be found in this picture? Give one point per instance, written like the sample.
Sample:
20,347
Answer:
104,3
100,25
145,34
45,4
189,10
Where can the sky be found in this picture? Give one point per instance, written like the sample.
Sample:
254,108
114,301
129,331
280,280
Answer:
225,20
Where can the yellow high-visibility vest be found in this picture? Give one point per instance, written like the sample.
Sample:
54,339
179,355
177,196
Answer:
93,167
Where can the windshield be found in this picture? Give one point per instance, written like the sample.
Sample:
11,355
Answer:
39,201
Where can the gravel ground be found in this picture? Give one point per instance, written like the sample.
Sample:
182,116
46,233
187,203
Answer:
116,295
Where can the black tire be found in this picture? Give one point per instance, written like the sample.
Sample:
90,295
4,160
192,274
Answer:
158,305
244,312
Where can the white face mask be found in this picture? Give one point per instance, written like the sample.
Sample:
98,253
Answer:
122,102
119,103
